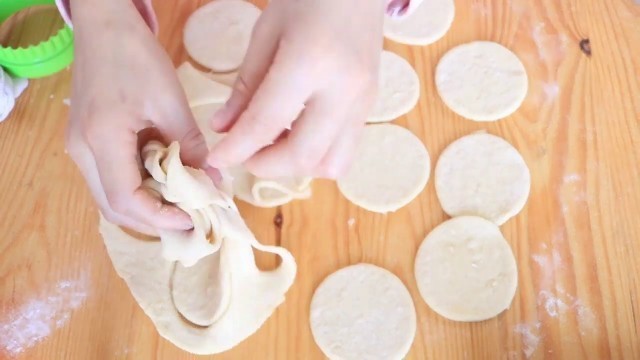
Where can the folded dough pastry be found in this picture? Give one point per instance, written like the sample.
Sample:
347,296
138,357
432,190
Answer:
201,288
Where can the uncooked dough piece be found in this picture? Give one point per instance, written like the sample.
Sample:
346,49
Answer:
228,78
241,296
217,35
481,81
465,270
398,89
363,312
268,193
428,23
200,88
390,169
203,115
483,175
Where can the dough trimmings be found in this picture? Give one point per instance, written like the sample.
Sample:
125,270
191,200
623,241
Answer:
218,254
363,312
481,81
483,175
466,270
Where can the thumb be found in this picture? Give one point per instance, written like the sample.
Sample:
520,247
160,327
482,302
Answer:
182,127
262,49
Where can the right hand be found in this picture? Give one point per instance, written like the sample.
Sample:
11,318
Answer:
123,83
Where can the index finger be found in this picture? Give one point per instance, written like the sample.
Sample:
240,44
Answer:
274,106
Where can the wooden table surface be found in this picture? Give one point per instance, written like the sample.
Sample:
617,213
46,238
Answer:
577,242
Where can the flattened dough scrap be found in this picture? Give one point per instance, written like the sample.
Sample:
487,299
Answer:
481,81
426,24
240,296
268,193
363,312
465,270
217,35
483,175
398,88
390,169
199,88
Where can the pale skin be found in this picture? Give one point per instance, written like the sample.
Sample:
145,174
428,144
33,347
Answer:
297,109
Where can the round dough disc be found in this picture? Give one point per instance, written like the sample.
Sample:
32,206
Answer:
398,88
390,169
481,81
465,270
428,23
363,312
483,175
217,35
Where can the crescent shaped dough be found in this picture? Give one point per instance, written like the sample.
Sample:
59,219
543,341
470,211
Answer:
221,247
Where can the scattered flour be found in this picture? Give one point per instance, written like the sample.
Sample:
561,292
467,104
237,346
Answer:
66,101
36,319
351,222
530,337
551,91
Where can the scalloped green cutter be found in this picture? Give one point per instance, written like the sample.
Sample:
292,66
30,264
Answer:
36,61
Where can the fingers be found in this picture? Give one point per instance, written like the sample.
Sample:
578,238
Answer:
274,106
115,159
82,156
338,160
262,49
306,146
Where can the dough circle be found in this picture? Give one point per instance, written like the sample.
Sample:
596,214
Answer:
482,175
481,81
391,167
217,35
363,312
398,88
465,270
429,22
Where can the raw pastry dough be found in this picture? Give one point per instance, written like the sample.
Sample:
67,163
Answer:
268,193
228,78
241,296
428,23
398,89
481,81
483,175
363,312
199,88
465,270
217,35
390,169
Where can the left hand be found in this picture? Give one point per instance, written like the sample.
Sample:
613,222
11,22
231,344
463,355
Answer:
312,67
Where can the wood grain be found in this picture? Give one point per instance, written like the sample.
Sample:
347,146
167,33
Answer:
577,242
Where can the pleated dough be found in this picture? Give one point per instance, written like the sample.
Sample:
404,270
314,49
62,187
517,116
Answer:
217,35
430,21
363,312
483,175
481,81
398,88
219,297
465,270
390,169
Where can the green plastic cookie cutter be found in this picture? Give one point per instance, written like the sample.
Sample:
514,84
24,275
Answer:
36,61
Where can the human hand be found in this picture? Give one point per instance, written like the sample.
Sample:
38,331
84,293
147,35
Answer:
124,83
312,67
